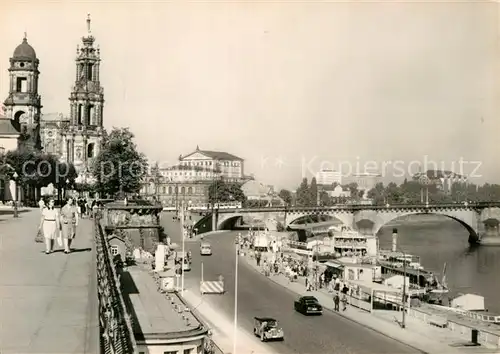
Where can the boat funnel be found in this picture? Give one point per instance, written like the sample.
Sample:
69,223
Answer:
394,240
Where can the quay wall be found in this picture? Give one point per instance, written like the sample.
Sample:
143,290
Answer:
485,337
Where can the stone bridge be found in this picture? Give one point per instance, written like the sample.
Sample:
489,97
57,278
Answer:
477,218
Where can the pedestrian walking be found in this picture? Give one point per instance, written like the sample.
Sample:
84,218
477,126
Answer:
41,204
49,224
344,302
69,219
336,301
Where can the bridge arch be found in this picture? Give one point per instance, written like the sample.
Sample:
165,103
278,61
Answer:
469,220
228,223
312,218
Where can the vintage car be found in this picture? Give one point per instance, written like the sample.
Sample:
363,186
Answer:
308,305
267,329
205,249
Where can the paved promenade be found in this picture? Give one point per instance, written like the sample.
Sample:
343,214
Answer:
45,300
425,338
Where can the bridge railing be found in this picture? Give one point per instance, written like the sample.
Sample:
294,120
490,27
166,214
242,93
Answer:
117,336
357,207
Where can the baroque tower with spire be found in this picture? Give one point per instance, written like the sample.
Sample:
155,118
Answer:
23,105
85,132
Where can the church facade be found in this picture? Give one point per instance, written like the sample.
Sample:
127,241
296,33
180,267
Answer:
75,137
23,104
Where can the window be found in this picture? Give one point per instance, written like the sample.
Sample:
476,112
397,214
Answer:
90,69
183,190
89,115
187,351
164,190
90,150
79,115
115,250
190,190
22,84
171,352
169,190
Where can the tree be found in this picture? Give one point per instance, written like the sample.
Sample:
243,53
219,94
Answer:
313,193
303,195
393,194
354,191
286,195
225,192
325,199
119,167
377,194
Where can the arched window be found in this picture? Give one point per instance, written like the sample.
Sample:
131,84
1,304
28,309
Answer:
90,150
19,115
163,190
183,190
190,190
169,190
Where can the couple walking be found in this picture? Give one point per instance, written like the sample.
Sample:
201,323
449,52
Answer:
55,224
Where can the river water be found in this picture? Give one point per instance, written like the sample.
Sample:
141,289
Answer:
438,241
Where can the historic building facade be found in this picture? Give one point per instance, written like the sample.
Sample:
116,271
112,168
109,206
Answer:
189,180
53,126
227,166
83,137
23,104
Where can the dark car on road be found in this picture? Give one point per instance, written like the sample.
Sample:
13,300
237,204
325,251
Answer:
308,305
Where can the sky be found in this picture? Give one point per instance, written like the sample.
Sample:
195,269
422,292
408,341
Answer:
291,87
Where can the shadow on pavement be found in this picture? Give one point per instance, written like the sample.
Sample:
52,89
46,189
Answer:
76,250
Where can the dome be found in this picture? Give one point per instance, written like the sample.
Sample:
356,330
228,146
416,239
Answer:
24,50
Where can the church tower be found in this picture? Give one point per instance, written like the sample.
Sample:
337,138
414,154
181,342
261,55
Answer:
23,105
85,131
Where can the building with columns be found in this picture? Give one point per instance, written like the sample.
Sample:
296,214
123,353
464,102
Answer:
189,180
84,133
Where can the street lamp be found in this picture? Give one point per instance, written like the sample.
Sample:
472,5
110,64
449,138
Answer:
403,319
183,248
15,175
237,247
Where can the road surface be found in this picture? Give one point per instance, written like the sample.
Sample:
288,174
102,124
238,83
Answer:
258,296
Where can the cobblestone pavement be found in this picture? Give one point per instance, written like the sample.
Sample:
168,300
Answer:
45,304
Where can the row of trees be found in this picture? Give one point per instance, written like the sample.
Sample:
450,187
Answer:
118,168
413,192
312,195
33,169
409,192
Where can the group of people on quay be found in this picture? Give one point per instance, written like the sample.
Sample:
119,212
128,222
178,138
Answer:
293,267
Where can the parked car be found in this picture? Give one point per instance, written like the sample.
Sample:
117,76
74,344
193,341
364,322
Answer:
308,305
267,328
205,249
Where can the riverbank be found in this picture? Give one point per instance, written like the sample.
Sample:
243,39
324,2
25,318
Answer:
416,334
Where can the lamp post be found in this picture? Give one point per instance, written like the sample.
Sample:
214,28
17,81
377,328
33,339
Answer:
403,319
237,246
15,175
183,248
